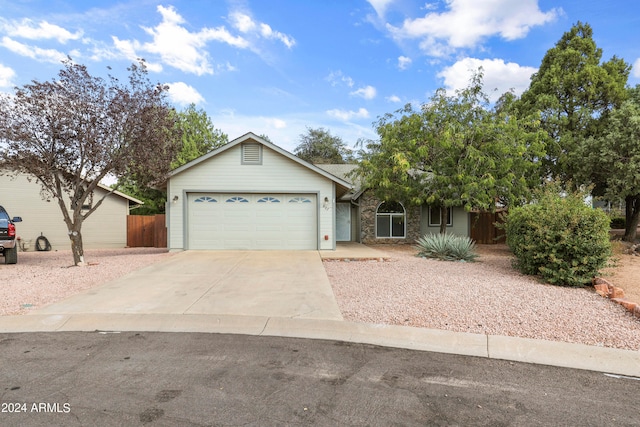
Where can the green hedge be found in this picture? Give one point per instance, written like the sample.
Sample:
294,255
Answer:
559,238
618,222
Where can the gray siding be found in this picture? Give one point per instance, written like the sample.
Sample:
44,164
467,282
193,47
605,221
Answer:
459,224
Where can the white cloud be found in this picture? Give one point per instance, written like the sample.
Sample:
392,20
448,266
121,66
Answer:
6,76
185,50
467,23
27,29
394,98
242,22
177,46
499,77
337,77
276,123
404,62
39,54
346,115
367,92
182,94
268,33
380,6
636,68
128,49
245,24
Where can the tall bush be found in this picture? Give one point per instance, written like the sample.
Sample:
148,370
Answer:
559,238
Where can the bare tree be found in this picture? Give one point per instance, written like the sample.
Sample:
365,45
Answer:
70,133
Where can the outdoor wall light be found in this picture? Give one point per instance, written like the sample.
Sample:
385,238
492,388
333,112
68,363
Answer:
175,199
325,204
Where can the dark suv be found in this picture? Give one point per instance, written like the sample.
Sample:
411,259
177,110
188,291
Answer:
8,244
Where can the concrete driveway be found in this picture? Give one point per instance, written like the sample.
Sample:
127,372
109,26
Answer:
251,283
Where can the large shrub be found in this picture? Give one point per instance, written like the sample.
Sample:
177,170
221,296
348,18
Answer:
559,238
447,247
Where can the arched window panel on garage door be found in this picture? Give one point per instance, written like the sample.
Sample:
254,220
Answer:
300,200
268,200
205,199
237,199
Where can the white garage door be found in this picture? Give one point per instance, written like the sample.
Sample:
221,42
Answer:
252,221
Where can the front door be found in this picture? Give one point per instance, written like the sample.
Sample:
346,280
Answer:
343,222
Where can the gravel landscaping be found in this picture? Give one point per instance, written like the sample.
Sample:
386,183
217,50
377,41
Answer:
41,278
485,297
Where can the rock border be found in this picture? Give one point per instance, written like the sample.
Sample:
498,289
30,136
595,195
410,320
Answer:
615,294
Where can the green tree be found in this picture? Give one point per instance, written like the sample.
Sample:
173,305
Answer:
613,158
454,151
319,146
70,133
572,92
199,136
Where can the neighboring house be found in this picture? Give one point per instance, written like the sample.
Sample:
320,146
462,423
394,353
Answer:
105,228
252,194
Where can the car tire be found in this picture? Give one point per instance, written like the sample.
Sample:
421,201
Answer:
11,255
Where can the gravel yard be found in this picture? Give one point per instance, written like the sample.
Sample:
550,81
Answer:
484,297
41,278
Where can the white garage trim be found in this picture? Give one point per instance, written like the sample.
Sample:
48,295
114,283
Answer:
249,220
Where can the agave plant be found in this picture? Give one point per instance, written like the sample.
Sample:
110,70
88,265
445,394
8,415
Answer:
447,247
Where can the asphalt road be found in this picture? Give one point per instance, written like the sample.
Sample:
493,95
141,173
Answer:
192,379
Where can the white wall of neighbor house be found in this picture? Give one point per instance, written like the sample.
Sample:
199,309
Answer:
225,173
459,225
105,228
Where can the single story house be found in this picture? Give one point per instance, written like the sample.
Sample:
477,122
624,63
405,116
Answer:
105,228
252,194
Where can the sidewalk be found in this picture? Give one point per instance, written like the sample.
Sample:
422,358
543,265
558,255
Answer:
577,356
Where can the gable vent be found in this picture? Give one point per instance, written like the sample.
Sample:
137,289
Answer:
251,154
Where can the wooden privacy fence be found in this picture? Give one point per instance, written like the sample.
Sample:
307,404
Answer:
148,231
483,227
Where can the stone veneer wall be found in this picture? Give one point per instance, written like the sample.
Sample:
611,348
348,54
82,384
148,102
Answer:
368,205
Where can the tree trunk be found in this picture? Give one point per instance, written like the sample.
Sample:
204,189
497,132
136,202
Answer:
76,245
632,217
443,219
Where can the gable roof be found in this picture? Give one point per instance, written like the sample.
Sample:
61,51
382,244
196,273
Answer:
343,171
131,199
343,186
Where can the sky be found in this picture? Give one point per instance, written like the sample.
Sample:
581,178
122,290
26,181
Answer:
278,67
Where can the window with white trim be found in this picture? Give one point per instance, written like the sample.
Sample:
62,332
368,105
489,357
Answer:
390,220
434,217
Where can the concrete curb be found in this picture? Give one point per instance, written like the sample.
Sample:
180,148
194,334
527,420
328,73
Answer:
566,355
